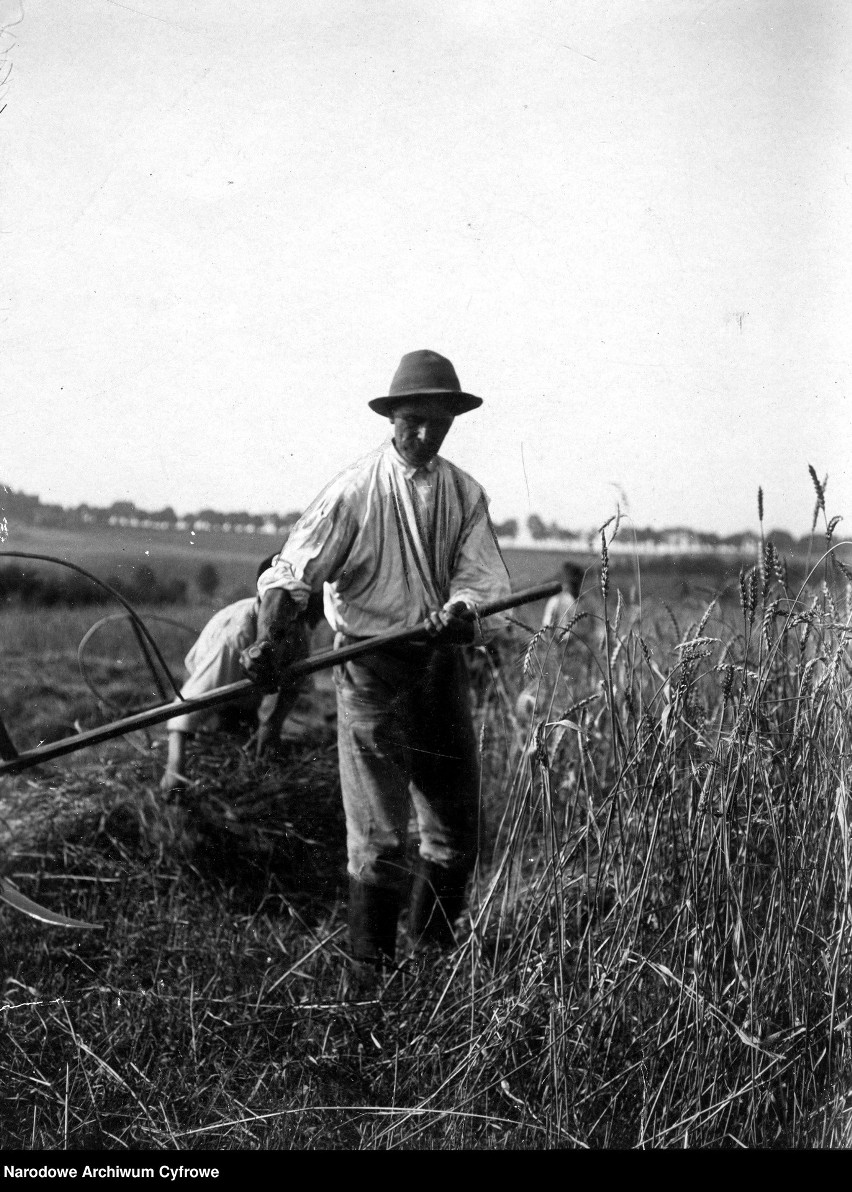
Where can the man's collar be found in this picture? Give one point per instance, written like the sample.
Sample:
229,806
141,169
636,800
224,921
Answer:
407,469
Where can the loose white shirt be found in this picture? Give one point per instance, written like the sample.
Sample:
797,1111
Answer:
558,609
392,542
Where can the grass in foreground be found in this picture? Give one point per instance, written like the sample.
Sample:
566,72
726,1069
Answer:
658,946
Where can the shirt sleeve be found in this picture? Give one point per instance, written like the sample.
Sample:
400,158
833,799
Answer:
315,551
480,573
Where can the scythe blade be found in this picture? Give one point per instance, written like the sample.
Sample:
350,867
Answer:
13,896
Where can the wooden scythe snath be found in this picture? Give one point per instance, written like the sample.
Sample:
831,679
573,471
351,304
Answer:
233,691
14,762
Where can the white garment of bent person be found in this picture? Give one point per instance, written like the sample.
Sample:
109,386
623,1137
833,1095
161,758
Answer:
392,542
559,609
214,661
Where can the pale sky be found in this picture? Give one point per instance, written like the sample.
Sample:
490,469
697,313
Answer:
626,222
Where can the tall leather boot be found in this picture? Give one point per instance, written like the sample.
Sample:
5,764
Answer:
436,901
373,912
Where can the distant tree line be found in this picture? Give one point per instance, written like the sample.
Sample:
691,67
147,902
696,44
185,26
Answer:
29,510
37,587
672,536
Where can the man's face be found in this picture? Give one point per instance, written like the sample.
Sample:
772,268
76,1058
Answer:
419,429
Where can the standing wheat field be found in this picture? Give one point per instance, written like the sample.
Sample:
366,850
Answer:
656,951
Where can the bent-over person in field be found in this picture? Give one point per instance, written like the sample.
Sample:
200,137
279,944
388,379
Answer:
557,661
560,608
399,538
214,661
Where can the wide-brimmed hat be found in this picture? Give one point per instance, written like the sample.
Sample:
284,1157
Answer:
426,374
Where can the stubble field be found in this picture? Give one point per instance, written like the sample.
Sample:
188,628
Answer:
657,946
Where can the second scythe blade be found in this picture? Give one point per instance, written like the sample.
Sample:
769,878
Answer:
13,896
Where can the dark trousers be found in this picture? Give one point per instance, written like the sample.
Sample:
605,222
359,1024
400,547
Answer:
405,737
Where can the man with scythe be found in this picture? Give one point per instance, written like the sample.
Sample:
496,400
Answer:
400,538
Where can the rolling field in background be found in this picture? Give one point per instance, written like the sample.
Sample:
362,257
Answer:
170,554
178,555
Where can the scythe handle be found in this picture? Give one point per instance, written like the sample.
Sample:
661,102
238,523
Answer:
232,691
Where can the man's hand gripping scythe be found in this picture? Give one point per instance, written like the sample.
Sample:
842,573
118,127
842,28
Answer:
282,639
